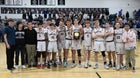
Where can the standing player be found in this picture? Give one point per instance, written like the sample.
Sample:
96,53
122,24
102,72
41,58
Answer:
52,44
98,35
87,43
110,46
119,45
77,33
41,45
61,39
68,40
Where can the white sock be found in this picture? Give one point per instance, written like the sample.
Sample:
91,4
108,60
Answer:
42,62
39,63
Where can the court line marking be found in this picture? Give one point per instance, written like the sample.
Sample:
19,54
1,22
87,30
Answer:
98,75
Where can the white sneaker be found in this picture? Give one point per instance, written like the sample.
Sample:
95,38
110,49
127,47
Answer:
95,66
118,67
106,66
114,68
89,65
23,66
73,65
79,65
17,66
122,67
85,65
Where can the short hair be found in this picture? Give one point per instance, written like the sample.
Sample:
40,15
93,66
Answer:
127,24
39,24
87,22
52,24
48,19
10,20
19,22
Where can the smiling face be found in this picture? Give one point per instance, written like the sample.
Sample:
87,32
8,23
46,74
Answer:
107,25
20,26
40,26
30,25
97,23
117,25
76,21
87,23
61,24
127,27
11,23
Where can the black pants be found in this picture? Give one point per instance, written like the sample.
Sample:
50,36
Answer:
20,50
10,57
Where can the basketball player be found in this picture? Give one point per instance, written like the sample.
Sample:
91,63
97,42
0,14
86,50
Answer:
52,44
77,33
87,43
98,35
110,46
68,40
55,27
41,45
61,39
119,45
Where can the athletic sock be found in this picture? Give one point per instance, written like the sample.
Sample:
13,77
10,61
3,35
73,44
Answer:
73,61
105,63
79,61
38,63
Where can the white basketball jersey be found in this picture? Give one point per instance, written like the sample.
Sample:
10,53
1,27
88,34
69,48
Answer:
40,33
110,37
87,36
98,31
75,29
118,35
61,33
52,35
67,33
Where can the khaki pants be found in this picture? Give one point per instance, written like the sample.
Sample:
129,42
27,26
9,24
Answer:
130,57
31,51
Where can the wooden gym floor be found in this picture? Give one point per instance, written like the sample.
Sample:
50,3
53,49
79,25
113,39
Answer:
68,72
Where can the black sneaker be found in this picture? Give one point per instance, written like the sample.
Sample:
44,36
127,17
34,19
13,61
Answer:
48,66
130,65
133,69
110,65
55,65
13,68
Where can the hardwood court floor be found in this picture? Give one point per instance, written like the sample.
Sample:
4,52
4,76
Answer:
68,72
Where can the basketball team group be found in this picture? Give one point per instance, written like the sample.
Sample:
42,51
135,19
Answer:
47,45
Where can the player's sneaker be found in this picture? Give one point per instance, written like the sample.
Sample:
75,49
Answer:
79,65
110,65
95,66
43,66
73,65
38,66
17,66
106,66
133,69
89,65
85,65
65,64
55,65
23,66
48,66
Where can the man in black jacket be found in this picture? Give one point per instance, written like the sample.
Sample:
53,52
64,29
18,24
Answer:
30,41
